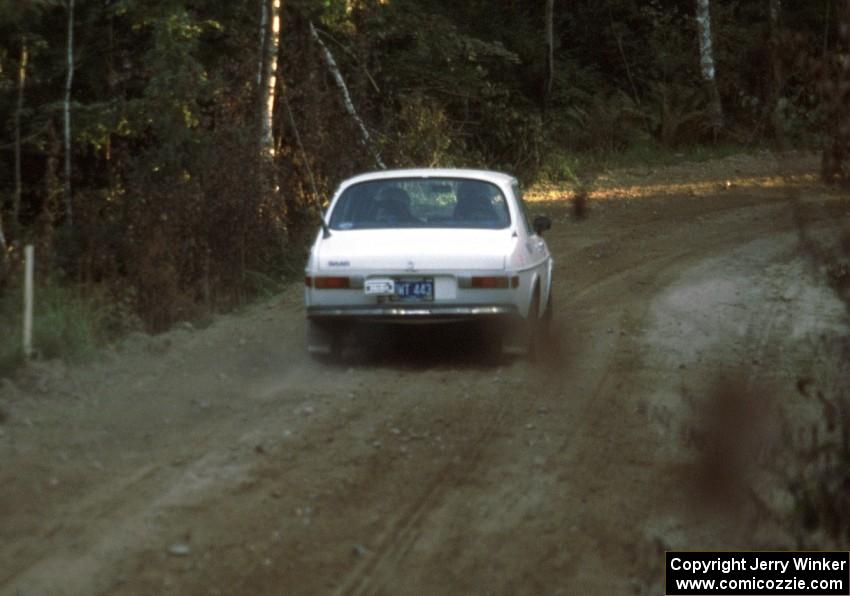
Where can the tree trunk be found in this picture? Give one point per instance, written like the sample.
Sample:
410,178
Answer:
4,266
19,108
268,75
775,10
45,222
550,47
835,91
826,28
619,39
706,53
301,149
69,214
365,139
112,83
267,183
3,248
777,78
264,38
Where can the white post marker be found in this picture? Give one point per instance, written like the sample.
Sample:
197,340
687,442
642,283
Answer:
29,266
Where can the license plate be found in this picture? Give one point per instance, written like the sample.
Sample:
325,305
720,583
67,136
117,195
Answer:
379,287
414,289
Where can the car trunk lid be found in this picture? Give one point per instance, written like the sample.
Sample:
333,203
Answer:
415,250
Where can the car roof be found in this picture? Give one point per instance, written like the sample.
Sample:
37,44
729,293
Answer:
487,175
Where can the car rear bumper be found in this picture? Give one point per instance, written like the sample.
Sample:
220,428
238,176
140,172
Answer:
420,312
326,322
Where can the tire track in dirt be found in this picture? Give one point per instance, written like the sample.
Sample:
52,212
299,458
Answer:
459,511
125,514
602,453
401,534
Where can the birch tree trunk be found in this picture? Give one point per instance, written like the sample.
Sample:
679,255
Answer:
19,108
268,75
267,88
706,53
550,47
69,80
365,139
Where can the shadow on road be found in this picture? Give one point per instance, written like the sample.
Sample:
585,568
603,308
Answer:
419,347
452,346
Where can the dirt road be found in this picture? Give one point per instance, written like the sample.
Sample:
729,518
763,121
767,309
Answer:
226,461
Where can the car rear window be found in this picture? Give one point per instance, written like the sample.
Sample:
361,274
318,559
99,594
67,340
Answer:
421,203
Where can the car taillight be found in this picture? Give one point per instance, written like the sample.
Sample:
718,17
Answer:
308,281
515,281
490,283
331,283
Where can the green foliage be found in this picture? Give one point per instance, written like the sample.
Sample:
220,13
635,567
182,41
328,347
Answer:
66,324
262,285
652,154
800,118
11,353
677,113
164,106
441,80
561,166
423,136
607,124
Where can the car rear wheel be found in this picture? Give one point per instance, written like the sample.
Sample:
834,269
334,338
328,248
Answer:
546,343
548,312
533,326
492,335
522,335
325,340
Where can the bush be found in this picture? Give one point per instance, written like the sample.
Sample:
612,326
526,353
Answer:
66,325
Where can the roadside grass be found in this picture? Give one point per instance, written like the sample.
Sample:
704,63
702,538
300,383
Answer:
72,323
66,325
656,155
11,352
263,286
580,168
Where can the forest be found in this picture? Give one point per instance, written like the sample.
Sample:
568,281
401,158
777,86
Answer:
170,432
168,158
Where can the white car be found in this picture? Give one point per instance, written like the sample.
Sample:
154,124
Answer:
429,246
